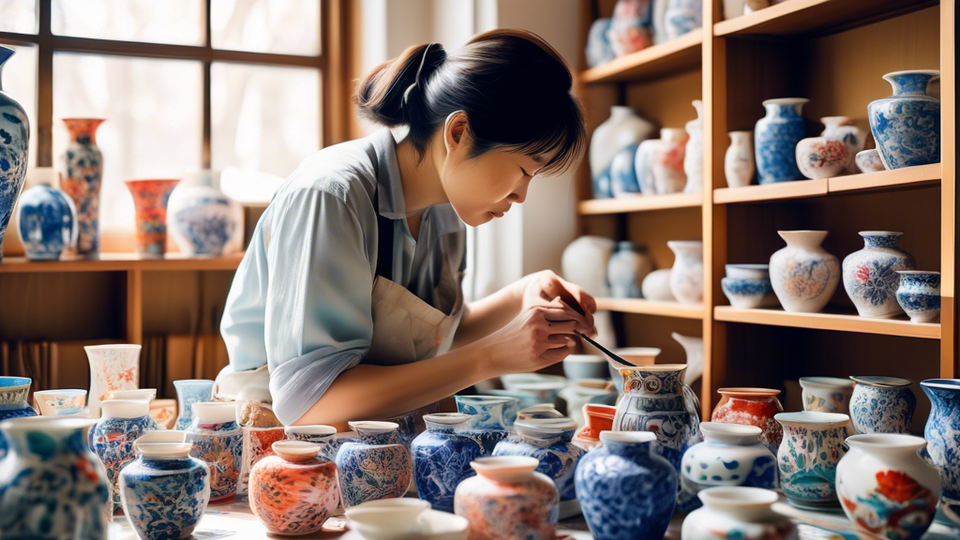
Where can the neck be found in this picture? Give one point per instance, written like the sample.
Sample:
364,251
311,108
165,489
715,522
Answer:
421,177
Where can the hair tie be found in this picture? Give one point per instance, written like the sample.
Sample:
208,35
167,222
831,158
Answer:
416,80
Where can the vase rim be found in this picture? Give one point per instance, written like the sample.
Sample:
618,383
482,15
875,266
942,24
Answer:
14,383
314,429
446,418
64,391
737,497
125,408
164,181
138,394
785,101
748,266
218,412
487,399
373,426
918,272
585,358
628,437
658,368
599,409
638,351
824,419
48,423
538,408
544,426
886,441
880,233
296,451
171,450
799,232
120,346
183,381
827,382
837,117
734,391
505,467
741,131
881,381
934,73
83,119
685,243
740,430
161,436
944,384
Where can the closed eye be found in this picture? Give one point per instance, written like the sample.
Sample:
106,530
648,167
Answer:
525,173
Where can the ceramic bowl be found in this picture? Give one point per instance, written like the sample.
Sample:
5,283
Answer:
747,285
869,161
65,402
512,380
388,519
584,366
526,399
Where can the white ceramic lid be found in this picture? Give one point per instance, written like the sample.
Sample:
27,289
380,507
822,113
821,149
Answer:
125,408
316,429
164,449
447,419
215,412
373,426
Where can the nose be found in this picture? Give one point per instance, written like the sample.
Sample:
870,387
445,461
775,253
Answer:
520,194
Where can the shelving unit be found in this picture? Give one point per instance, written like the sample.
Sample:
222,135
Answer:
833,52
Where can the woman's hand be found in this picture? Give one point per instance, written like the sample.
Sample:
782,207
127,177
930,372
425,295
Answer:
542,288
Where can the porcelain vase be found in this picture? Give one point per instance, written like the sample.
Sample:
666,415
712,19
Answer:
164,491
598,49
112,439
323,436
777,135
490,418
13,402
885,487
47,219
441,458
643,165
257,444
682,17
845,130
882,405
201,218
667,164
375,466
15,126
631,28
693,349
294,490
599,418
730,455
919,295
626,488
508,499
747,286
656,286
218,440
622,129
81,175
686,276
738,163
53,485
812,446
112,367
141,394
942,433
906,125
870,275
803,275
868,161
65,402
585,261
820,157
752,407
190,391
623,174
693,154
627,269
150,199
744,513
826,394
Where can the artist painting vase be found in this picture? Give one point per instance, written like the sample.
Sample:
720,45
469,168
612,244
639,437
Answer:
112,367
81,175
667,166
906,125
738,162
870,275
13,402
730,455
190,391
803,275
826,394
441,458
777,135
686,276
812,446
882,405
942,433
744,513
150,200
919,295
201,218
47,222
14,139
375,466
752,407
845,130
218,440
490,418
112,439
885,487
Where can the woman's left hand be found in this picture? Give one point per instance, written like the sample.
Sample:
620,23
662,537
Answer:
544,287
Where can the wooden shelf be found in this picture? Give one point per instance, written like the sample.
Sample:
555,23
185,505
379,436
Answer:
771,192
120,262
816,16
840,322
647,307
640,203
674,56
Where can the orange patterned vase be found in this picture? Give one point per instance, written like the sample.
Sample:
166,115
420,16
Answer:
257,443
150,198
752,407
599,418
294,491
81,175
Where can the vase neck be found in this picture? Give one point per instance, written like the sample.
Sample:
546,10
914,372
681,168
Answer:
654,381
783,110
629,450
808,240
909,83
880,239
943,394
83,130
5,54
45,437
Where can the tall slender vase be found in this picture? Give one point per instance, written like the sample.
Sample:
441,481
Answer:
13,402
14,137
81,174
150,198
907,124
777,135
190,391
942,433
112,367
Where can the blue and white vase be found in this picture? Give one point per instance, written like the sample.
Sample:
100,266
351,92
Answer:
13,402
550,440
803,275
776,136
942,433
683,16
53,486
218,440
375,466
623,128
882,405
626,490
919,294
164,491
491,418
626,270
123,422
808,456
744,513
190,391
730,455
623,174
602,186
323,436
441,458
870,275
599,50
845,130
747,285
140,394
200,217
907,124
14,137
47,219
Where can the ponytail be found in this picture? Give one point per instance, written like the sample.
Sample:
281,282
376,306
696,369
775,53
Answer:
383,94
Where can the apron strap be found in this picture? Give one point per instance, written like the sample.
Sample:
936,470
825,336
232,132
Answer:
385,242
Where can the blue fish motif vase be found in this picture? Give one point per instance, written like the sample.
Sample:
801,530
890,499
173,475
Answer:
623,174
47,220
627,491
919,295
441,458
13,402
491,418
730,455
747,285
14,136
190,391
870,275
776,137
375,466
218,440
164,491
907,124
807,460
882,405
200,217
123,422
942,433
51,485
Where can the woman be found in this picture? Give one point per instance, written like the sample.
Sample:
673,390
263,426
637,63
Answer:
350,289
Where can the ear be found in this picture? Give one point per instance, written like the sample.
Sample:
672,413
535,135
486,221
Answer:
455,130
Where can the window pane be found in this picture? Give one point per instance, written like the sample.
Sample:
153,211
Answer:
19,16
20,82
179,22
154,127
264,118
269,26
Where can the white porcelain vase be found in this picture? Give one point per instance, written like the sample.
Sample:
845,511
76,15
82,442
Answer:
693,156
693,347
668,175
627,269
738,163
656,286
803,275
623,128
686,277
201,218
737,512
585,261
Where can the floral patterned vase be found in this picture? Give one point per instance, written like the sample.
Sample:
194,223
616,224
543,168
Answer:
150,199
14,138
294,491
738,163
53,485
870,275
323,436
508,499
13,402
142,394
907,124
164,491
845,130
919,295
190,391
752,407
441,458
202,219
112,367
124,421
631,28
81,174
826,394
667,165
730,455
626,488
885,487
257,444
218,440
820,157
812,447
47,219
686,276
747,285
490,419
376,466
777,135
803,275
942,433
599,418
882,405
744,513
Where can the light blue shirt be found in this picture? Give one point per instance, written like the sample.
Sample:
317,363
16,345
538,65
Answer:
300,302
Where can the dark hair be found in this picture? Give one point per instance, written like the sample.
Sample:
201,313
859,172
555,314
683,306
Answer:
515,89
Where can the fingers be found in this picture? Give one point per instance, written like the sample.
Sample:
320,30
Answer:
552,356
557,312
